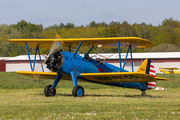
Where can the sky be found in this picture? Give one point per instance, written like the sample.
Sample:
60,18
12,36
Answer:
82,12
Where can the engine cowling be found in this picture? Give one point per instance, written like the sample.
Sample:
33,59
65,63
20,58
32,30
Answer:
54,60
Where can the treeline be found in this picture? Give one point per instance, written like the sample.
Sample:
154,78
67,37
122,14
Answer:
165,37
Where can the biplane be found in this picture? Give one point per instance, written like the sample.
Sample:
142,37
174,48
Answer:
68,65
169,70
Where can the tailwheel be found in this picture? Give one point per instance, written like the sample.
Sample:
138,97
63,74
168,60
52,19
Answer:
143,93
49,91
78,91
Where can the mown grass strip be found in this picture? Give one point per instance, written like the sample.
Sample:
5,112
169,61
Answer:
23,98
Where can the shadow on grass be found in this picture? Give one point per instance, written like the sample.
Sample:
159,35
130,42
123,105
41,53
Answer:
95,95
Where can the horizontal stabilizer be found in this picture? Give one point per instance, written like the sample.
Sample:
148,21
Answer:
160,78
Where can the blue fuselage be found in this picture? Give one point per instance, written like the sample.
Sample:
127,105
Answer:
81,65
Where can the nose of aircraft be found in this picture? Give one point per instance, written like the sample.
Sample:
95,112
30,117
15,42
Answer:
54,60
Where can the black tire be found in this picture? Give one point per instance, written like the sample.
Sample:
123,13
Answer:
78,91
49,91
73,92
143,93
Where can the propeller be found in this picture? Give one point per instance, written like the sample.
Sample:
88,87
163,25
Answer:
54,46
54,59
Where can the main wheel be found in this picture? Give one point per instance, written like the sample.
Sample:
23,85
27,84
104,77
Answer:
78,91
143,93
49,91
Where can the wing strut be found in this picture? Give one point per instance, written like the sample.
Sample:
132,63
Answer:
131,58
29,56
40,59
77,48
129,49
88,52
59,45
37,49
125,58
119,55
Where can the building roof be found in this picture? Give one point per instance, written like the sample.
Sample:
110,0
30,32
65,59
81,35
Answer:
3,58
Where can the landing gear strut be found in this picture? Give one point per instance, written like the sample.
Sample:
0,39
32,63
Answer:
78,91
143,93
49,91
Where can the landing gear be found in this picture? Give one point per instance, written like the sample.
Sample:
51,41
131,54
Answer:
143,93
49,91
78,91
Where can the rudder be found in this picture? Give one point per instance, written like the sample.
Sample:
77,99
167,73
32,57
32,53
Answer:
148,68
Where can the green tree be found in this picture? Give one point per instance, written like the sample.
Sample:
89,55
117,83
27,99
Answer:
127,31
107,32
92,24
21,25
70,25
164,47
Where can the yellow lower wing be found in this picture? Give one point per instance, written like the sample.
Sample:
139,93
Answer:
120,77
41,75
38,75
97,77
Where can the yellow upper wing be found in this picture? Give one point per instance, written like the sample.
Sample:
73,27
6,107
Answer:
111,42
120,77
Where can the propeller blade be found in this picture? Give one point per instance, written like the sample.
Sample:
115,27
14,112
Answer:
59,38
54,46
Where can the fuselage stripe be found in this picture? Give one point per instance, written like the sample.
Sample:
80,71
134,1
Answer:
152,70
151,84
151,66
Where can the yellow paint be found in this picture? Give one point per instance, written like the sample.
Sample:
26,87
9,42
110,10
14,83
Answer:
97,77
169,70
120,77
142,68
110,42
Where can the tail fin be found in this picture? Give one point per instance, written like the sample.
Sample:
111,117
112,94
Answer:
148,68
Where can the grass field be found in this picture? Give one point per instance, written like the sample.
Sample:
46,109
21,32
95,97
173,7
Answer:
23,98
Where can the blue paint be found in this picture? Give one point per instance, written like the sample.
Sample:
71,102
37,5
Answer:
79,92
35,58
28,56
72,67
92,66
77,49
40,60
74,64
134,85
59,45
131,58
119,49
78,66
37,49
57,79
74,78
125,58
